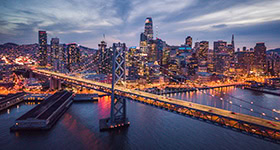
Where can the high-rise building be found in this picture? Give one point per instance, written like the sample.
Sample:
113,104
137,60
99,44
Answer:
273,64
260,57
222,62
160,46
244,48
220,47
232,42
105,59
210,61
73,56
63,58
149,28
202,51
133,63
54,55
244,62
189,41
43,57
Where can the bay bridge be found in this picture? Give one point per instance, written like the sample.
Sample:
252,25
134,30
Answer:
256,126
248,124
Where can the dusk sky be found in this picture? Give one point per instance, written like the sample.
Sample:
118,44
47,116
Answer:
86,21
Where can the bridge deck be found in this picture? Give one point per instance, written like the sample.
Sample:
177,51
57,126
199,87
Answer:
237,116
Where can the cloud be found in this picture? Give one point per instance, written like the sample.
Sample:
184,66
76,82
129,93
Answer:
219,26
123,20
239,15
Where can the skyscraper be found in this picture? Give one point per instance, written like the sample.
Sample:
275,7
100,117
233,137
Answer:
105,59
143,42
43,58
260,57
149,28
232,42
202,51
189,41
220,47
55,53
73,56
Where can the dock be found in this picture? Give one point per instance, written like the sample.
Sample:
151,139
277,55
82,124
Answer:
44,115
85,98
262,91
35,97
10,100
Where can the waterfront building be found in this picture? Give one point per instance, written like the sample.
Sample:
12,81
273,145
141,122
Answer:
260,58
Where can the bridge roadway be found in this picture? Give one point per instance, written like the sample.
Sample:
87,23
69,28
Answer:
267,129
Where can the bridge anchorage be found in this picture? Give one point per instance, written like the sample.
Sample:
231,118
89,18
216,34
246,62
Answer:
118,103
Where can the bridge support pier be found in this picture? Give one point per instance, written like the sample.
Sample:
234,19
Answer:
59,84
51,83
118,116
118,103
30,74
55,84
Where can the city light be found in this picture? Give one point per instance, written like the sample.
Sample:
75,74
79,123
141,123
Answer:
145,72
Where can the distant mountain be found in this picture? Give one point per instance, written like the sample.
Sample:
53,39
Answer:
86,48
277,50
9,44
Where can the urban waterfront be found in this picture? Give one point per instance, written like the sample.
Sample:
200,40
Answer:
151,128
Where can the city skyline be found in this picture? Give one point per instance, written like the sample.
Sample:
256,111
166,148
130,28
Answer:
139,74
249,21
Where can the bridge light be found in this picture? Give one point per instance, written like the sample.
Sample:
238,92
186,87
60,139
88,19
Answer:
273,109
221,99
276,118
263,114
251,110
230,102
252,102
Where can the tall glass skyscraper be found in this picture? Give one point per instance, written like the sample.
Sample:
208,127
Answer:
73,58
55,53
149,28
43,57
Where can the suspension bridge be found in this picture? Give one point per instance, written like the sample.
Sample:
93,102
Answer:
251,125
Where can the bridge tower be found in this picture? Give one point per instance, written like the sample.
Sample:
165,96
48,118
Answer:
118,103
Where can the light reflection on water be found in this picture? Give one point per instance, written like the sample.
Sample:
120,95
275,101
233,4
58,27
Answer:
151,128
